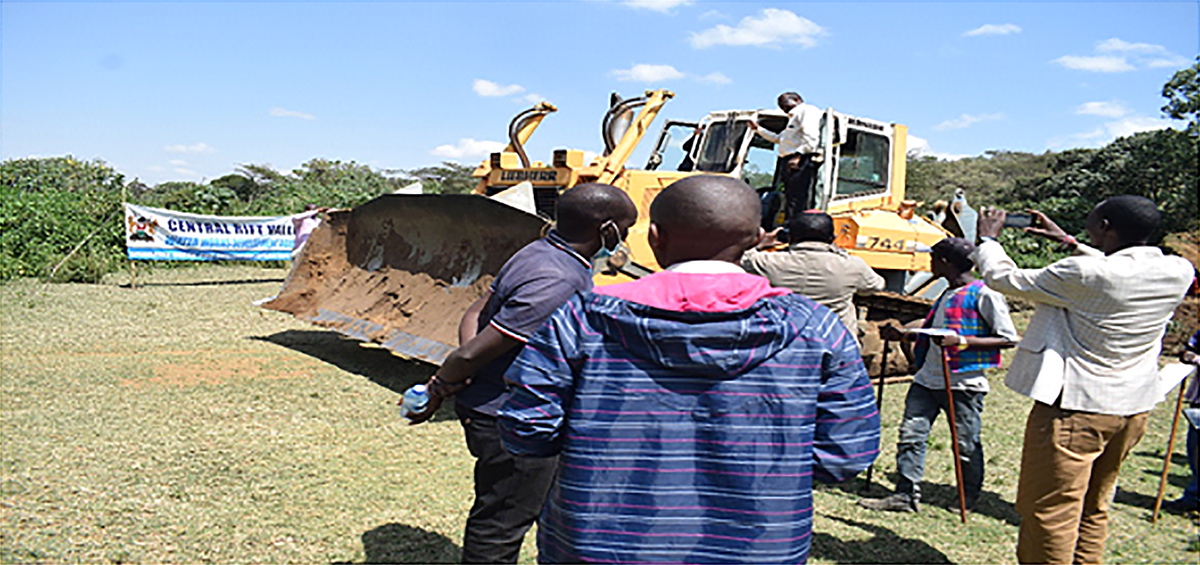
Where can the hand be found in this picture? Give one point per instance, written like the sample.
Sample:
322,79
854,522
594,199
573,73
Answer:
891,333
991,221
753,125
438,391
1048,229
443,389
770,239
954,341
435,402
1189,357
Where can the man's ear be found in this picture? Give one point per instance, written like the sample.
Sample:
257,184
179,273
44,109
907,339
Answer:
762,234
653,237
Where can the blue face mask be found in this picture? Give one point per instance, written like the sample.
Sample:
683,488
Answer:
601,256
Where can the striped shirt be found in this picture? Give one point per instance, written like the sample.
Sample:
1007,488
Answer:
689,432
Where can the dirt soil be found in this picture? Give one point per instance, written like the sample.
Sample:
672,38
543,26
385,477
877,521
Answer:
1187,316
394,299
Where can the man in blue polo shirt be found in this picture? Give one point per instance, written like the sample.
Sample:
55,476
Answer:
593,219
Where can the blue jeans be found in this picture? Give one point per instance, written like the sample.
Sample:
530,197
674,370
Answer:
921,408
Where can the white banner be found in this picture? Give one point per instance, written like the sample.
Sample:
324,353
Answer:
154,234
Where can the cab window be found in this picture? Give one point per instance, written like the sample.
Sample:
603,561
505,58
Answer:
722,140
863,164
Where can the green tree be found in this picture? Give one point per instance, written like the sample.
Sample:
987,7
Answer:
1183,97
447,178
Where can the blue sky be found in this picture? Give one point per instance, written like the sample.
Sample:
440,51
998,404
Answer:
190,90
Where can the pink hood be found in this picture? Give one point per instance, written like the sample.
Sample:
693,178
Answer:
695,292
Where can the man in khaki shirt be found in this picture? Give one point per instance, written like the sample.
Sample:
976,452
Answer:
813,266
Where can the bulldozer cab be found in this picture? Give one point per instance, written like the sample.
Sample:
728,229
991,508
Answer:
858,166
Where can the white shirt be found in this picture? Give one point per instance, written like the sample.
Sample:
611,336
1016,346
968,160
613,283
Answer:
802,134
705,267
1096,335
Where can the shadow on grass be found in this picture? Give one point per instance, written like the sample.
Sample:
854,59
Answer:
1177,458
937,495
884,547
207,283
1136,500
376,364
398,543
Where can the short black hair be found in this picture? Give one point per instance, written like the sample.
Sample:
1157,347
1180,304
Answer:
581,210
706,214
791,96
1135,218
957,251
811,226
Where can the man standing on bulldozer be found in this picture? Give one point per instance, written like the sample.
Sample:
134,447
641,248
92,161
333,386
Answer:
798,155
593,220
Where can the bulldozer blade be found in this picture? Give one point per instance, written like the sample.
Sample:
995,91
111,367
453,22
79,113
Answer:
400,270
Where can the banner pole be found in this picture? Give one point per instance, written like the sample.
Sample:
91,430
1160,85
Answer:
125,230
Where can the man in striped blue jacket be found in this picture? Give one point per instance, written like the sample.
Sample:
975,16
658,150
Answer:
691,409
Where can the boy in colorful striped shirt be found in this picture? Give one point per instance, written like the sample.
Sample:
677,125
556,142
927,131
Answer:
979,317
690,409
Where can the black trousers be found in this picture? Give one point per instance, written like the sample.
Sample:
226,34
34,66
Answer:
798,183
509,493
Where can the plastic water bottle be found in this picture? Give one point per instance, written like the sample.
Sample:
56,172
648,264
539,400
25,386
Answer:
415,400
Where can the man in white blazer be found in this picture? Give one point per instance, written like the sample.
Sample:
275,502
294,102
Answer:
1089,359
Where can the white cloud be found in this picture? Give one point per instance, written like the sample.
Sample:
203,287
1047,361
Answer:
966,121
656,5
773,28
647,73
155,168
919,147
1135,124
993,29
715,78
1098,64
1108,132
467,148
178,162
195,148
1115,44
1112,109
533,98
1173,62
184,171
281,113
713,15
1116,56
490,89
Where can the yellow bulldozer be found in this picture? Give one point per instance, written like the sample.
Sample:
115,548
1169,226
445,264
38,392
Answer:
401,269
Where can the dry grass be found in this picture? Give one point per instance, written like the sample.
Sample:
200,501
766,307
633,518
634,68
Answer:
177,423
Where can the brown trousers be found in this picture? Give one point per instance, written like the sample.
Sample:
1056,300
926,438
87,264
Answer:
1069,468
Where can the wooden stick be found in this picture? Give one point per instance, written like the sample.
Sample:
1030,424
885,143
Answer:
962,500
879,403
1162,483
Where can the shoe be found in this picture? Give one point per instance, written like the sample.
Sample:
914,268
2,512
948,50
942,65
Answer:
1181,505
898,502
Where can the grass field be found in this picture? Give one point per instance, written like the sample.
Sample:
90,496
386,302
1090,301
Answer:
177,423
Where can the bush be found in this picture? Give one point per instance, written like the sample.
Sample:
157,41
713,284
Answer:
60,212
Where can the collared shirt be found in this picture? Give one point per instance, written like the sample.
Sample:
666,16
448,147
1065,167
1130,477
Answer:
529,287
705,267
1095,337
802,134
823,272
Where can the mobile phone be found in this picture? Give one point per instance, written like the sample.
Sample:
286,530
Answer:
1018,220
